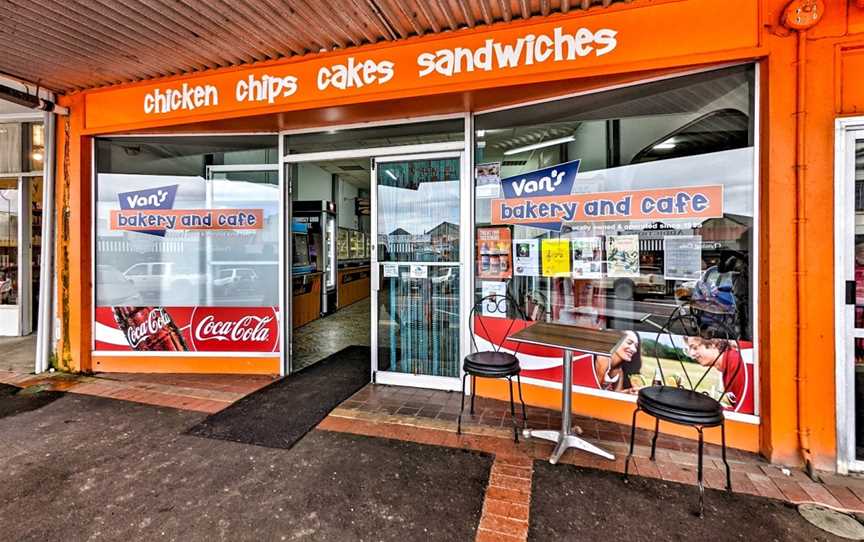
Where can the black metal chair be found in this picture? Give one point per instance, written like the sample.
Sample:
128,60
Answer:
495,363
683,406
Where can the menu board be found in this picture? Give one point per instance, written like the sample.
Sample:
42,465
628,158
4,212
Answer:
526,257
342,244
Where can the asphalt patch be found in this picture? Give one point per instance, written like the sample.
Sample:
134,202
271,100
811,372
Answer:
576,503
278,415
126,471
14,400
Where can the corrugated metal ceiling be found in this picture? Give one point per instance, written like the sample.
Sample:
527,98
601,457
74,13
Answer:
67,45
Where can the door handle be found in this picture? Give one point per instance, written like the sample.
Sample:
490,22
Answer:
850,292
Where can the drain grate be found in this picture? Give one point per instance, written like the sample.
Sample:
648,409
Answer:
832,521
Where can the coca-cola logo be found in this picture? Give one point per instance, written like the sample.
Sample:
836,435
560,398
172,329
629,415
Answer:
156,320
223,329
248,328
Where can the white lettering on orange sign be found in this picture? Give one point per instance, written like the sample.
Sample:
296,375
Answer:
527,50
186,98
355,74
265,89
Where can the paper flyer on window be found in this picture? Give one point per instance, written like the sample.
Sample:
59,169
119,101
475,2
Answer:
487,179
622,255
526,257
555,257
682,257
587,257
494,253
496,308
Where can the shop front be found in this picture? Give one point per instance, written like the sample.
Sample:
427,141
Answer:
598,171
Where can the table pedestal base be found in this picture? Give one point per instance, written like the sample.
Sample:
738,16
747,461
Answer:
563,442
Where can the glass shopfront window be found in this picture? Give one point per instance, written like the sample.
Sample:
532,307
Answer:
614,210
187,259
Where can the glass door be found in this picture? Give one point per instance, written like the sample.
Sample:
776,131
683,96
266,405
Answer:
417,277
850,291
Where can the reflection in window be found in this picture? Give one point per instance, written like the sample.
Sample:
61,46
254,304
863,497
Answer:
607,270
8,241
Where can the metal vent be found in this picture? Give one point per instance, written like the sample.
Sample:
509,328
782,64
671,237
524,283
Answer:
352,168
514,162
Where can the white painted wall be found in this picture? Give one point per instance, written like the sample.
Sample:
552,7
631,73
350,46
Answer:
313,183
345,206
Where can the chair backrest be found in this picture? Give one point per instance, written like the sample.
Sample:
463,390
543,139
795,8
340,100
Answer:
498,304
699,324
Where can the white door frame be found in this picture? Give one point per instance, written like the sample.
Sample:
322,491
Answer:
408,379
449,148
847,131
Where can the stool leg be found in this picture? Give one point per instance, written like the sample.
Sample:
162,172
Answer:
473,392
513,411
632,440
654,439
723,451
699,474
462,407
524,415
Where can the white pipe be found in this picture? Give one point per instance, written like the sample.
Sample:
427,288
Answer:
45,325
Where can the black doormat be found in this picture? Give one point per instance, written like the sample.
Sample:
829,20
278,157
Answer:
15,400
278,415
575,503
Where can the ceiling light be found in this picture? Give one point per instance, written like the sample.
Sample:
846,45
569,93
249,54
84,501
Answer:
481,133
390,174
668,144
540,145
37,156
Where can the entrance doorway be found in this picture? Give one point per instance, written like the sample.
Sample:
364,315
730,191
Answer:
849,302
20,244
399,214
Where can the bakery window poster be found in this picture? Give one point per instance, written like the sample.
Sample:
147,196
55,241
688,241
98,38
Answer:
494,253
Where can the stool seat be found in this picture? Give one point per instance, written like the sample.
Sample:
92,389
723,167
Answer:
681,406
491,364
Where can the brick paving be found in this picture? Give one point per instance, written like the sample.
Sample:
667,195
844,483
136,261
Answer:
429,417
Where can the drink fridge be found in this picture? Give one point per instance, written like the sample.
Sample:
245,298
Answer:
321,218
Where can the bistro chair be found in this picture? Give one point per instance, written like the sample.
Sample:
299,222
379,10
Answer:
680,404
494,363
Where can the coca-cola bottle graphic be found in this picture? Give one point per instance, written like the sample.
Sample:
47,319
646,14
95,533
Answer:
149,329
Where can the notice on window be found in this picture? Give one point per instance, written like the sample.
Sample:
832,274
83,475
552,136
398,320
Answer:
622,253
497,306
391,270
682,257
419,272
526,255
494,252
587,257
555,254
487,179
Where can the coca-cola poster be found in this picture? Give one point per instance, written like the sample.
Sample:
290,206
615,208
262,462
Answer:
194,329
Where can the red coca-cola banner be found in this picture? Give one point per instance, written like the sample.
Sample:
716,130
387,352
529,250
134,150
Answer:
195,329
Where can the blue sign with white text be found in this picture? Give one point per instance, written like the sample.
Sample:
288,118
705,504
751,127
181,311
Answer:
551,181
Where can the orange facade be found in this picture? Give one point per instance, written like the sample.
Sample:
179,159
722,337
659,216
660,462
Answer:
807,79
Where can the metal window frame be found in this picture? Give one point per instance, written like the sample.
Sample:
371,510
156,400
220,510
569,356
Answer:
846,132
